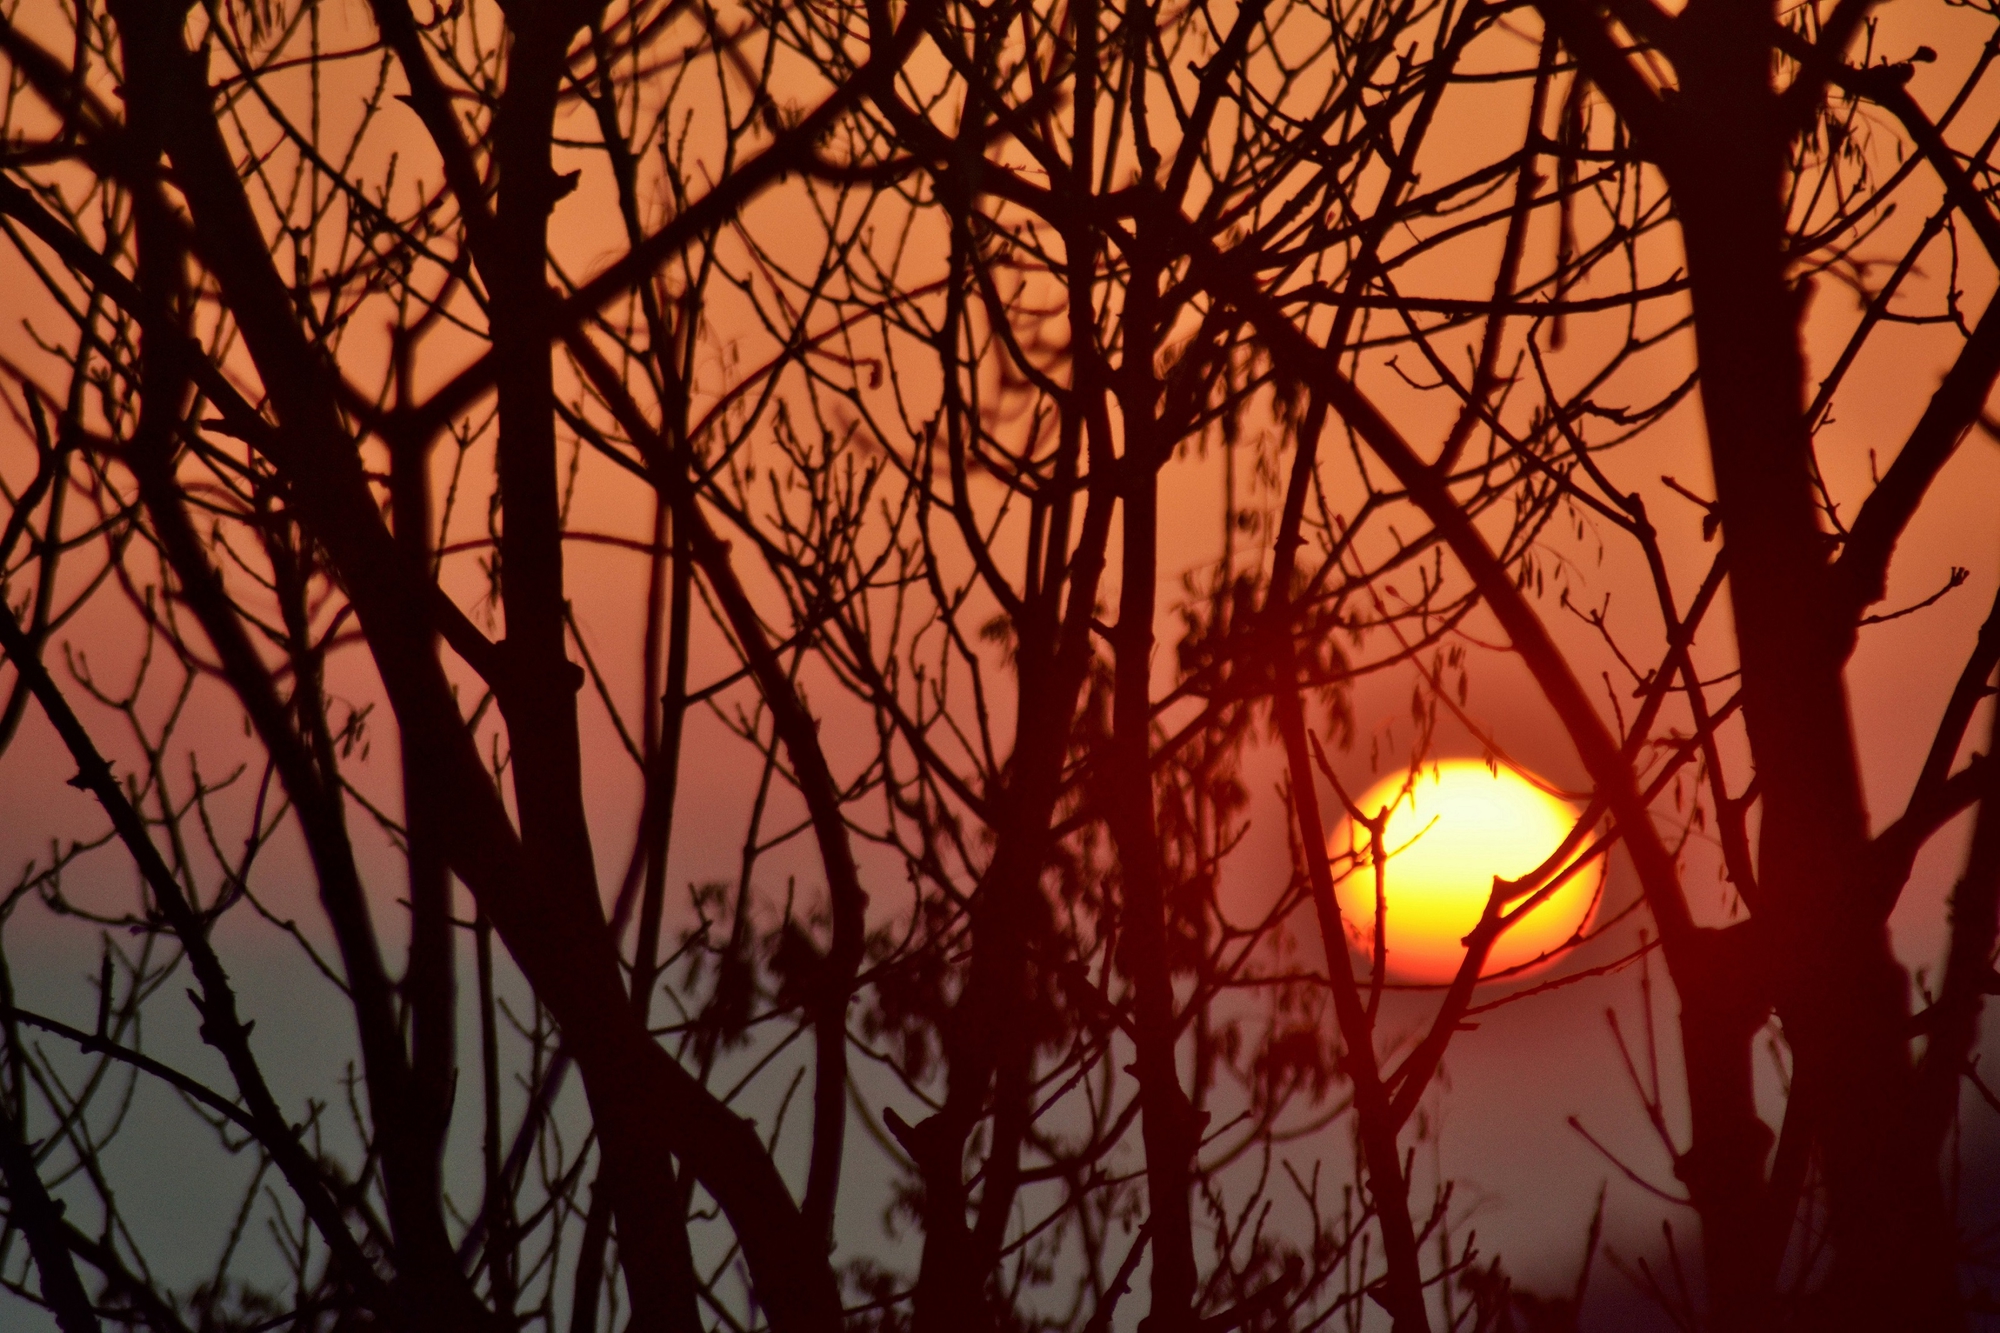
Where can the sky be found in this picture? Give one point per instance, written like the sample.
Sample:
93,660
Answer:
1499,1123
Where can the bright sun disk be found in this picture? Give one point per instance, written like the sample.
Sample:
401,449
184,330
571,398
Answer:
1459,826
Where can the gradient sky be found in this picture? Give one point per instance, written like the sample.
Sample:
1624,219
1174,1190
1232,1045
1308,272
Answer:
1498,1126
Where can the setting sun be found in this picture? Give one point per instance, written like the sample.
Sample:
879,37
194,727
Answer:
1459,826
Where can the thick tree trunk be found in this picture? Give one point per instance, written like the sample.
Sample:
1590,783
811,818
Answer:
1722,1011
983,1044
1839,989
1170,1131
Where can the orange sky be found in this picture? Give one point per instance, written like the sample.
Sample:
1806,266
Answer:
1898,677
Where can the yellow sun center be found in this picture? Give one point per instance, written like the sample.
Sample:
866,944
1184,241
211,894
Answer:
1458,826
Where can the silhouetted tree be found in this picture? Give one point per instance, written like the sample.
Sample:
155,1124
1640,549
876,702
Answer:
924,328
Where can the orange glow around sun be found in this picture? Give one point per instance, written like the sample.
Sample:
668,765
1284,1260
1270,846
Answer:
1459,826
